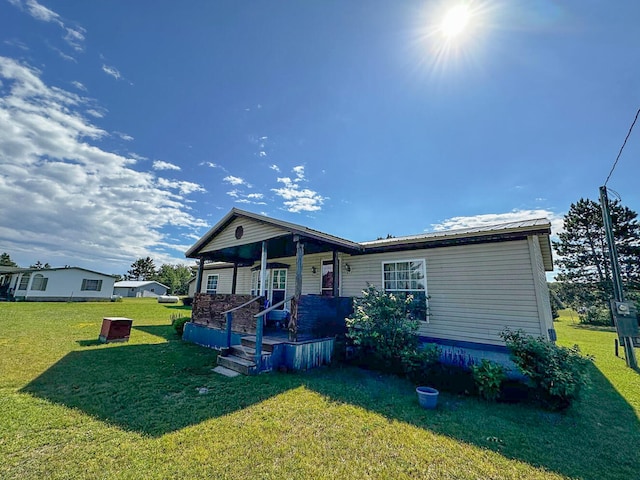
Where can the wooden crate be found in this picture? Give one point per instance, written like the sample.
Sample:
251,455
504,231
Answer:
115,329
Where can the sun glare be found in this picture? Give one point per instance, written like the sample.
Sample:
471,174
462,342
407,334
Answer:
455,21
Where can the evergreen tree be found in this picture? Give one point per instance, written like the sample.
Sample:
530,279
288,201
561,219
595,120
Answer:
583,255
142,269
5,260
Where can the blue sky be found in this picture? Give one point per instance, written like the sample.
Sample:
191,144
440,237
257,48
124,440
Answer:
128,129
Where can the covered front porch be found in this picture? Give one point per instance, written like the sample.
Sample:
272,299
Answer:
263,322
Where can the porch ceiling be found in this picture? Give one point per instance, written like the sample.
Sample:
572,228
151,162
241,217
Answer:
279,247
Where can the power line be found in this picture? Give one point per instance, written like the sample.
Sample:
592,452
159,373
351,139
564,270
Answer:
622,148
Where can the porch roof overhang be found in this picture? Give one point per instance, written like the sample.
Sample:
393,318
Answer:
280,244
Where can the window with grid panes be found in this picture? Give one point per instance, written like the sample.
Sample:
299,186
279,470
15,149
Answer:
407,277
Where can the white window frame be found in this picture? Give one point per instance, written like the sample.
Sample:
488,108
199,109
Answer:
24,281
39,283
210,277
409,290
256,288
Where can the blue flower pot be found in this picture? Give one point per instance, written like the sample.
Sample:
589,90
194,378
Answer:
427,397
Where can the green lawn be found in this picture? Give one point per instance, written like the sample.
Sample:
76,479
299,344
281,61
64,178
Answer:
73,408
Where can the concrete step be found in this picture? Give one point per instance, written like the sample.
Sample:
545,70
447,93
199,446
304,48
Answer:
246,352
267,343
240,365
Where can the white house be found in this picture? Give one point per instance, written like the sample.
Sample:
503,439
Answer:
56,284
468,284
139,288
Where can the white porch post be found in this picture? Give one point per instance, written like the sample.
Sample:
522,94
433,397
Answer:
263,270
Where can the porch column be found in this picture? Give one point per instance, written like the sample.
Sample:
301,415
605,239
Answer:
199,276
336,275
263,270
293,320
261,319
234,281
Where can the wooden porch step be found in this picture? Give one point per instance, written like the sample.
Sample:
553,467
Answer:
246,352
267,343
237,364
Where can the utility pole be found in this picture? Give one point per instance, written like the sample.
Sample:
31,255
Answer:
624,313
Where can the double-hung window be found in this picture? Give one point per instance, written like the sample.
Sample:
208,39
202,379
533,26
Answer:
212,283
90,284
408,277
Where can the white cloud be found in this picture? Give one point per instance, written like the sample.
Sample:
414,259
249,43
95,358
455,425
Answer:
160,165
95,113
123,136
40,12
275,167
79,85
262,154
236,181
497,218
233,193
299,171
185,188
14,42
296,199
112,71
255,195
78,204
74,36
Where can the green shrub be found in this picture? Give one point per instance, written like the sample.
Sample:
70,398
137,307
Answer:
418,364
488,377
595,316
557,373
178,322
380,324
385,335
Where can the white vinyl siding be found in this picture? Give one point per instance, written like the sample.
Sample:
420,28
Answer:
475,290
253,231
542,289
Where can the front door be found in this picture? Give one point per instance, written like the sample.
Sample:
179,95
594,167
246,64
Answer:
278,286
327,278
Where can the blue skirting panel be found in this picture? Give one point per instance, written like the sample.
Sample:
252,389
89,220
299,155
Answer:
207,337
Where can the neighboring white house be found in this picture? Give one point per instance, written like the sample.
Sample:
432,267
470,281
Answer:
470,284
139,288
62,284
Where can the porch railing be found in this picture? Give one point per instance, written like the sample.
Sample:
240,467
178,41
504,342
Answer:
260,316
228,315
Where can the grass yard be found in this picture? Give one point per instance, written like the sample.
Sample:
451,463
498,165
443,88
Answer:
73,408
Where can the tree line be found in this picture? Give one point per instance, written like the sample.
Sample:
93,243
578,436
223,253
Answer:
176,277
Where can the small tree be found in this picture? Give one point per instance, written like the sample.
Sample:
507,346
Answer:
5,260
142,269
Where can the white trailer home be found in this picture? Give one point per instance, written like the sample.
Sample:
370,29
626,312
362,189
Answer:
57,284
